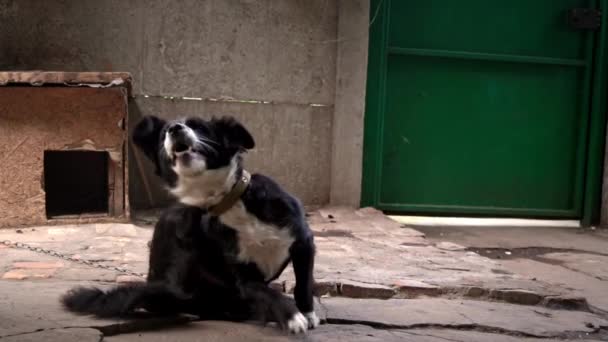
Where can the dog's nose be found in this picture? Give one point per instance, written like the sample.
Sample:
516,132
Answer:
175,128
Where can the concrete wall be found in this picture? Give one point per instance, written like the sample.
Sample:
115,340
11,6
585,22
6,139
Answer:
292,144
277,51
351,76
604,199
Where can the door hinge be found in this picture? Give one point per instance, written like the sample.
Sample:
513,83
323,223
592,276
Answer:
584,18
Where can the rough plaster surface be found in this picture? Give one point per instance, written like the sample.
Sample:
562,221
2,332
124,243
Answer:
268,49
351,76
71,36
36,119
292,145
271,50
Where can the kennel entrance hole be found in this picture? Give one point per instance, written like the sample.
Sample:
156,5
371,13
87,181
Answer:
76,182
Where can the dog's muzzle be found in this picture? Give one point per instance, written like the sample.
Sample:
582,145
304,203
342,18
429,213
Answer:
180,140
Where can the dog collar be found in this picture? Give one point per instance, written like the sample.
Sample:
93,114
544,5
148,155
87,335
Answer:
233,196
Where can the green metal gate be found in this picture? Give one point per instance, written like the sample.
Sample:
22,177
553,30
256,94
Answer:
478,107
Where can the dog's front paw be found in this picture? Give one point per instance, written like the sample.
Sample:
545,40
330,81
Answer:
313,319
297,324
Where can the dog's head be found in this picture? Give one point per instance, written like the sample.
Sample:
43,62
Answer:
192,147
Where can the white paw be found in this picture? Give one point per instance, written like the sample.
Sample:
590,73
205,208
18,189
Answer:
297,324
313,319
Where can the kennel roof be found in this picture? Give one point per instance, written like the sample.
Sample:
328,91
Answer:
73,79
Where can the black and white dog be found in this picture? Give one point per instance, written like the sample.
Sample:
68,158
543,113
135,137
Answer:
217,266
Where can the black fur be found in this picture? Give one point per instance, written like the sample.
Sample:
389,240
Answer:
122,301
189,272
228,138
195,264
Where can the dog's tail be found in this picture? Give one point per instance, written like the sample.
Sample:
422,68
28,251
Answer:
121,300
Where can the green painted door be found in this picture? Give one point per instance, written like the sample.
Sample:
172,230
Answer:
478,107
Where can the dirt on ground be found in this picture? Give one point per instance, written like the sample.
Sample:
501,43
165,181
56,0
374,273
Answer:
377,280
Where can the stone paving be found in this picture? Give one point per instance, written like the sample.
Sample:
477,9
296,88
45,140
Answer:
377,281
574,261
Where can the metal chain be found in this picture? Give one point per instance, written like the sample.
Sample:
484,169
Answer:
39,250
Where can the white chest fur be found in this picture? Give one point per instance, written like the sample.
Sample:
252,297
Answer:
263,244
207,188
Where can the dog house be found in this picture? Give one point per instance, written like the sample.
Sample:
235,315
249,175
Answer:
63,147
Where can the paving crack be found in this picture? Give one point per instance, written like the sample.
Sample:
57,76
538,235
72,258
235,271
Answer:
562,264
325,310
519,296
125,327
467,317
143,325
434,336
525,252
598,311
28,332
50,329
468,327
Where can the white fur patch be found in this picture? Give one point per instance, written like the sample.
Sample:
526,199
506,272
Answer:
264,244
193,168
206,188
297,324
168,142
313,319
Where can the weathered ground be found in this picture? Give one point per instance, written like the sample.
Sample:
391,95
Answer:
378,281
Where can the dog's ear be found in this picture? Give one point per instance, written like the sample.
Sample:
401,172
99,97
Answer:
235,135
146,135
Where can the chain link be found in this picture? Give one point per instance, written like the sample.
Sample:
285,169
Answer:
39,250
